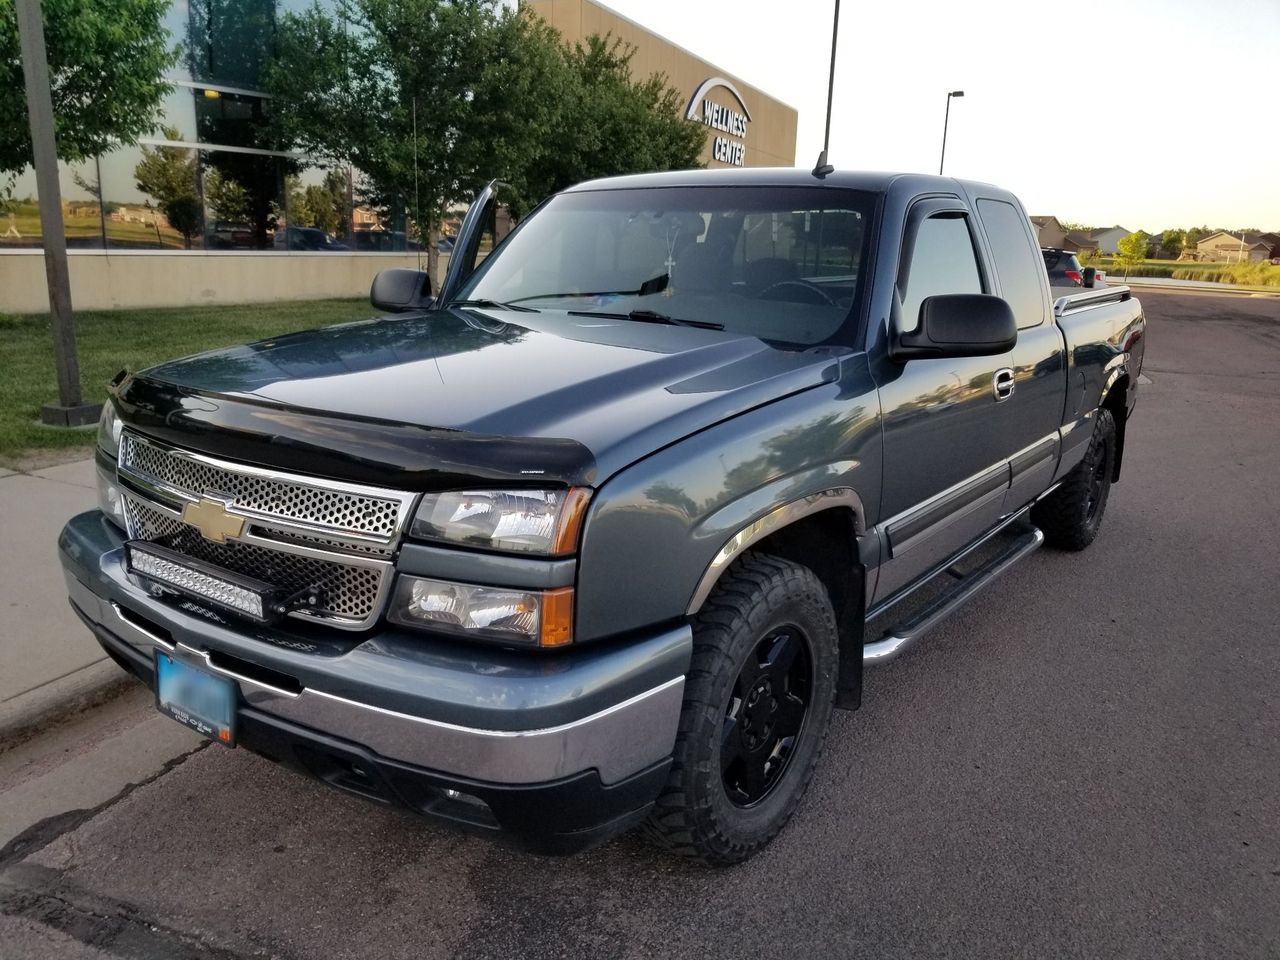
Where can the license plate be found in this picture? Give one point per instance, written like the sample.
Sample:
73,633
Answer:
196,698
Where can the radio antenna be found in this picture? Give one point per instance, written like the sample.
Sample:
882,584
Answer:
822,168
417,210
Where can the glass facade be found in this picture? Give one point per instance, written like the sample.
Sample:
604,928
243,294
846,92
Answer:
209,177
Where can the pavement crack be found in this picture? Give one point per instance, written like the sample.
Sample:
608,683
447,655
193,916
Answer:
117,927
39,835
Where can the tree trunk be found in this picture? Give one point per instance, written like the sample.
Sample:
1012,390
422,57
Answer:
433,257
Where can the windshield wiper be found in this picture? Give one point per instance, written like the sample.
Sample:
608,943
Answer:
491,305
649,316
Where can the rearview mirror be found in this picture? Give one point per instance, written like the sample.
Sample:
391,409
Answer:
1090,275
399,289
959,325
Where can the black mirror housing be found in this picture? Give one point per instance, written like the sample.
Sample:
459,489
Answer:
1090,276
959,325
399,289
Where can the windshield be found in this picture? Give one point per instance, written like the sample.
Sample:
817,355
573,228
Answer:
779,263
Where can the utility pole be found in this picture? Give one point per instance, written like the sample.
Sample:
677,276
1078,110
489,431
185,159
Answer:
70,410
945,119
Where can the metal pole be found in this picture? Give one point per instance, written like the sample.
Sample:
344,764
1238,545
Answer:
946,117
831,79
70,410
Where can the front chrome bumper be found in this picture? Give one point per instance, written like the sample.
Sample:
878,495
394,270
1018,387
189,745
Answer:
479,713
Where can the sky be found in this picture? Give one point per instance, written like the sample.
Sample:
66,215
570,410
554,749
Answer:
1143,113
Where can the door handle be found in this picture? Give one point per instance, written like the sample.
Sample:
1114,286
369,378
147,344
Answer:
1002,384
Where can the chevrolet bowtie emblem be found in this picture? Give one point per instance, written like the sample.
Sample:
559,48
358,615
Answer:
213,520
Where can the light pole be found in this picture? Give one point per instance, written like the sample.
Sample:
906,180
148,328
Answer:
945,118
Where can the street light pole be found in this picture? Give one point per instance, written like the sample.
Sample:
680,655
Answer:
946,117
70,410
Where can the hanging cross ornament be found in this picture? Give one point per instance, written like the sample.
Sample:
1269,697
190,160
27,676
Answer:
670,262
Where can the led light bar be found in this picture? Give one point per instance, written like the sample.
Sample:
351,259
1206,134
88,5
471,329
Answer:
203,581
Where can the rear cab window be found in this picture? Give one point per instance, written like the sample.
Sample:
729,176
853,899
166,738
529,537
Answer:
1017,267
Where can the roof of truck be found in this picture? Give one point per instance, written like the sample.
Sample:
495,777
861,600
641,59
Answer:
876,181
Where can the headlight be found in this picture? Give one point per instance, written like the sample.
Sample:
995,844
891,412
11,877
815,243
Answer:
518,521
541,618
109,427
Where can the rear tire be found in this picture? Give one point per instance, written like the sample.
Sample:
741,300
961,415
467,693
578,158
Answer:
1072,515
757,706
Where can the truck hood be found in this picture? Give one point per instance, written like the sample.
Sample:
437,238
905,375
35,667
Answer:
427,400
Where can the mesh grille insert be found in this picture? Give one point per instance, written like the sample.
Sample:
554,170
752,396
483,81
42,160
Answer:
350,591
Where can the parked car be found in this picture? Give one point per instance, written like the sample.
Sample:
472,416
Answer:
1064,268
227,235
601,531
384,241
307,238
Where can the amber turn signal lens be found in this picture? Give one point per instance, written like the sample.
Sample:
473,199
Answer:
569,524
557,618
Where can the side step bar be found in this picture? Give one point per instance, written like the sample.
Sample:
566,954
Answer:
899,637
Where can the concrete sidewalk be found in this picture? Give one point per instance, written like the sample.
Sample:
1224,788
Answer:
50,664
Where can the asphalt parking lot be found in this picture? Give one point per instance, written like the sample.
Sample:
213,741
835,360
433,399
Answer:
1085,762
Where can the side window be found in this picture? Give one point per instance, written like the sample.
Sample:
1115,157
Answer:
942,261
1017,261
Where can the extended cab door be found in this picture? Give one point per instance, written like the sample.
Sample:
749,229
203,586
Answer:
1030,418
945,462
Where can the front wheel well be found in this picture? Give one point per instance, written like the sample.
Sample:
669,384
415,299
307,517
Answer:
826,543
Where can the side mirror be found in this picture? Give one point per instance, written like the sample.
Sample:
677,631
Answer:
399,289
959,325
1090,275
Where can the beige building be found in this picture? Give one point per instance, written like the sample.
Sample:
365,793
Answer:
746,126
122,254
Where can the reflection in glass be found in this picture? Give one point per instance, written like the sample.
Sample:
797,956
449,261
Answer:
243,199
20,224
230,41
317,211
152,197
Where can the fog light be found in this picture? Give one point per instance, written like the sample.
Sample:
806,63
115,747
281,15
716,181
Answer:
534,617
109,500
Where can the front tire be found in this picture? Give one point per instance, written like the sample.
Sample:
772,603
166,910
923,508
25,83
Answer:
756,711
1071,516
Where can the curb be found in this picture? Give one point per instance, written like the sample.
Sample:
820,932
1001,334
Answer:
35,711
1191,286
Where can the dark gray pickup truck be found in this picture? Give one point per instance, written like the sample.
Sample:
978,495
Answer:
602,531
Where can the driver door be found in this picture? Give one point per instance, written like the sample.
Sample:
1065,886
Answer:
945,463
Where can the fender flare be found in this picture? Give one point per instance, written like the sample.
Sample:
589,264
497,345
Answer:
771,522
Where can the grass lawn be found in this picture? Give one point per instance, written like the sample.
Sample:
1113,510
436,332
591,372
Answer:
110,340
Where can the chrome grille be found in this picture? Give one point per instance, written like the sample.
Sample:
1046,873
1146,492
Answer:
352,593
321,506
300,531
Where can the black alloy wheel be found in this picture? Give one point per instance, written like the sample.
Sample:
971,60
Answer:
1072,515
757,708
765,715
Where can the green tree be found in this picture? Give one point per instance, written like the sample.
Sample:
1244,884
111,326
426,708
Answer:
322,205
227,198
107,59
431,98
1132,250
1172,241
168,176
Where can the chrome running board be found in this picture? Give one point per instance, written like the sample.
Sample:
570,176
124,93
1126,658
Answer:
897,638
